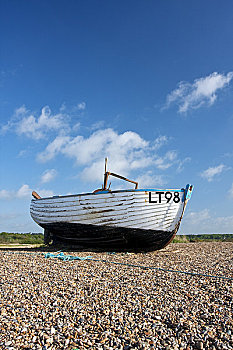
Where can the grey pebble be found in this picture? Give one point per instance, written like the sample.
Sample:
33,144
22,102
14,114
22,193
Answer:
48,304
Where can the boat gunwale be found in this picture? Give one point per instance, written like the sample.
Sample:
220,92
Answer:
109,192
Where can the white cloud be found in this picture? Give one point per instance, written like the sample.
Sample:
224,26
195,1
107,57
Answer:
53,148
150,180
208,222
48,175
81,106
26,123
23,192
97,125
127,152
22,153
159,142
198,217
75,110
181,164
212,172
76,126
97,145
224,223
4,194
202,91
45,193
21,111
167,161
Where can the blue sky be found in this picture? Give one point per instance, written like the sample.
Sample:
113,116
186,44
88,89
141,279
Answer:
147,83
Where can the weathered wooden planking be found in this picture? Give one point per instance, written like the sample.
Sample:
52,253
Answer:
113,211
131,208
137,219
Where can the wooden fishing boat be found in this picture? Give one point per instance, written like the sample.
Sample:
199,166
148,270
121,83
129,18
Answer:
137,219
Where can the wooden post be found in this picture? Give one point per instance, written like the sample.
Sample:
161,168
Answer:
108,173
105,174
106,161
36,195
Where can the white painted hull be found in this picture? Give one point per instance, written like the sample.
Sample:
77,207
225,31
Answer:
149,211
122,209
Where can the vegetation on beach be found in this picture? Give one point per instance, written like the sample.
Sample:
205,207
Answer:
38,238
21,238
223,237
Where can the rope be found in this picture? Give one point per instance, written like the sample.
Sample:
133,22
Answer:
63,257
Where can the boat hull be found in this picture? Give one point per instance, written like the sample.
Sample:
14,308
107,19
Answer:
107,238
112,220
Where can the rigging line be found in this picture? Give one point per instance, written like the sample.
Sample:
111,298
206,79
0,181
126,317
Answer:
63,257
162,269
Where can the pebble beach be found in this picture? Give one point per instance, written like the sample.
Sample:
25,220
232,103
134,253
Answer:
47,303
